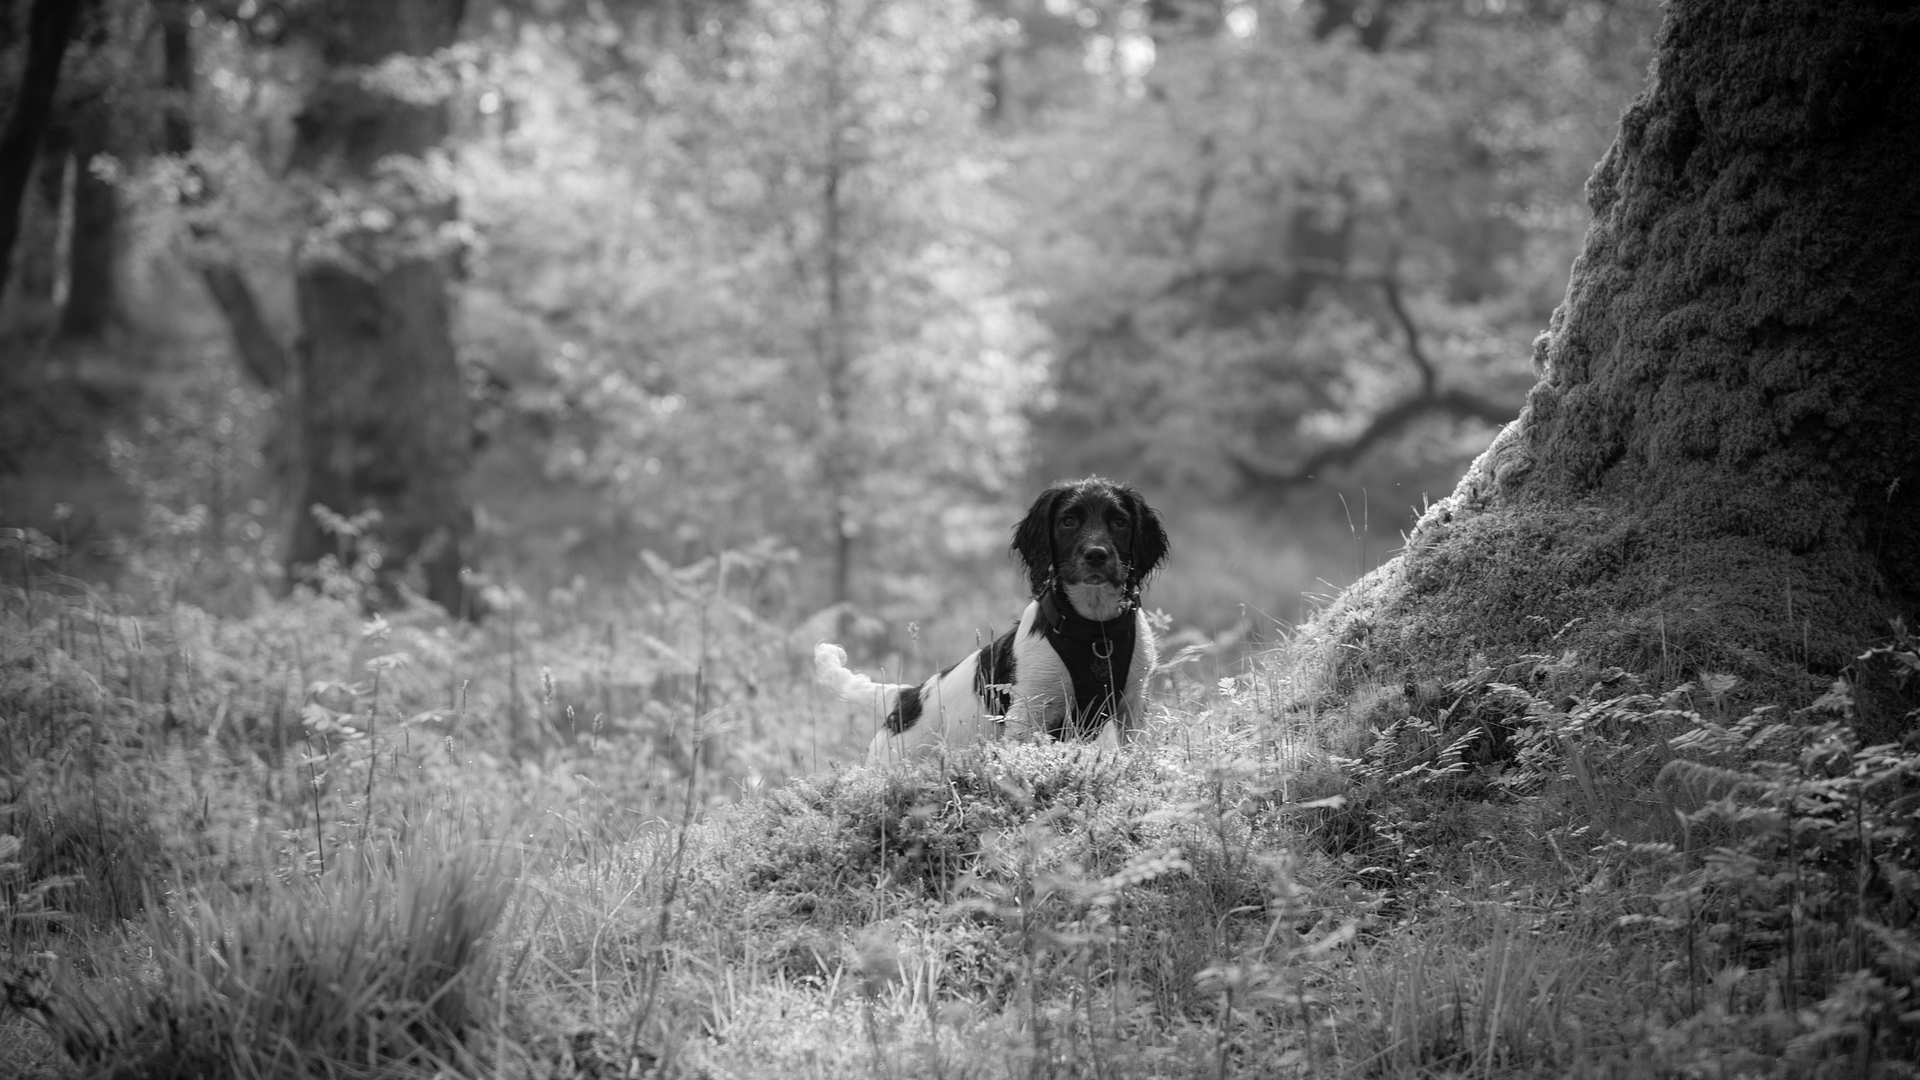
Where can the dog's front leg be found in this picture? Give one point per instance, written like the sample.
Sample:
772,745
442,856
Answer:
1130,717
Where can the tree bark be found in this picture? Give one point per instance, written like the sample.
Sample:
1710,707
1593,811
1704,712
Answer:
93,254
176,67
1719,468
262,355
382,419
32,301
50,27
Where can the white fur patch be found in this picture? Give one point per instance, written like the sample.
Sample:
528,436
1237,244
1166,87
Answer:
1097,602
830,670
951,716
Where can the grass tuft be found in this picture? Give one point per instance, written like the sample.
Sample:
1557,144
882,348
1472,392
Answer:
379,968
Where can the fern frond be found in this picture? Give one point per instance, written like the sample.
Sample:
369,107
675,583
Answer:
1702,780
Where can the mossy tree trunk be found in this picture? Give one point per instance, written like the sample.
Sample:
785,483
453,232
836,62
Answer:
1719,468
381,406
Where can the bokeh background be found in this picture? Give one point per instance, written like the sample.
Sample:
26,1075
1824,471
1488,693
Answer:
790,306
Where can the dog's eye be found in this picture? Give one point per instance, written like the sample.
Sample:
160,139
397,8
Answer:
1119,524
1069,521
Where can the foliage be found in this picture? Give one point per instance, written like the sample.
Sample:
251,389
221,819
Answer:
765,264
1794,883
605,833
184,774
1015,877
1229,899
1769,850
1061,239
1228,285
1503,993
928,831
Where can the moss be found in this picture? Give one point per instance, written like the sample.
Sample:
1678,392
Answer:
1749,374
1613,589
1719,468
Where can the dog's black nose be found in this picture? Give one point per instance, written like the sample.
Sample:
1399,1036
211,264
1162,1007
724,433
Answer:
1096,556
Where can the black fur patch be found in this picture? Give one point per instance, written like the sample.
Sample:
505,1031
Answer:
993,676
906,711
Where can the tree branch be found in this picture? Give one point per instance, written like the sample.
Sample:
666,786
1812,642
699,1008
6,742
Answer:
1390,284
1274,477
1265,475
260,352
1270,477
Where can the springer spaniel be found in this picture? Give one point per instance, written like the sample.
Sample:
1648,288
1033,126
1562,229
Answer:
1074,667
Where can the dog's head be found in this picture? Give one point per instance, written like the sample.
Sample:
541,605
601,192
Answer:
1090,532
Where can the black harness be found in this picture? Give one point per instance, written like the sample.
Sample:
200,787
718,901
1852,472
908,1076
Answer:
1097,656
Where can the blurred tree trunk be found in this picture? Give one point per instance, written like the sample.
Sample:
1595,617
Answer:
1371,20
93,251
176,74
50,27
32,301
836,359
382,418
261,354
1719,469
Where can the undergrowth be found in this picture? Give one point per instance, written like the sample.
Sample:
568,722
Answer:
1750,869
379,967
305,841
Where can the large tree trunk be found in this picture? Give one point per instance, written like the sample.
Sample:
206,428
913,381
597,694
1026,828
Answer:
381,405
32,299
1719,468
49,29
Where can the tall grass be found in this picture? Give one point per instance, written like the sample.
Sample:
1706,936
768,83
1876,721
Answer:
381,967
306,843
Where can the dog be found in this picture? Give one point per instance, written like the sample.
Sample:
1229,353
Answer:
1075,666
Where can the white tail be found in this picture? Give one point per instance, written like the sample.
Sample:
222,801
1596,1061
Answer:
830,670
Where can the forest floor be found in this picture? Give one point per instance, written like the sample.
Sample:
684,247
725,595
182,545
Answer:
301,842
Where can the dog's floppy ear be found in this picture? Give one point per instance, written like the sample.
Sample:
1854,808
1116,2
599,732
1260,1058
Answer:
1033,540
1149,536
